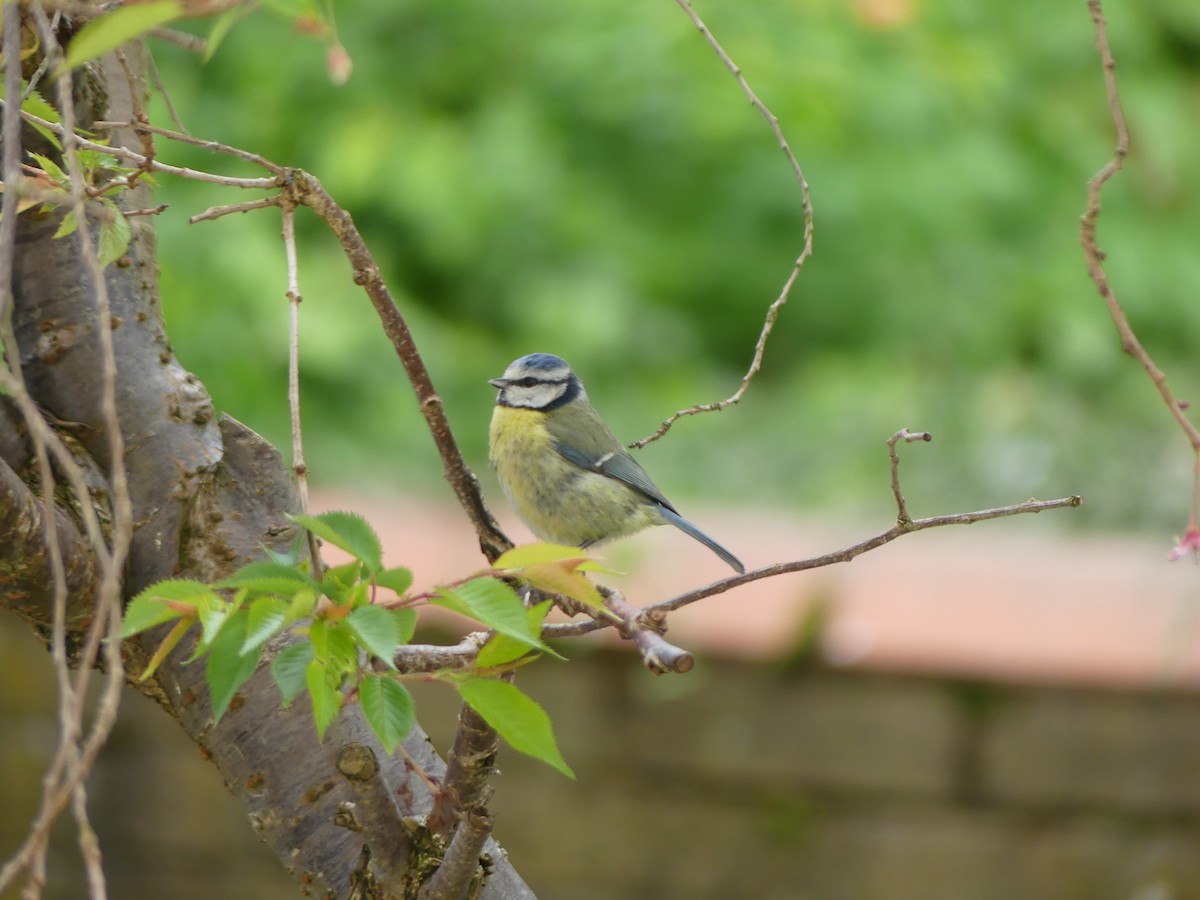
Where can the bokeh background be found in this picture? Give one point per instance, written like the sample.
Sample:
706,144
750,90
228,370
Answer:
587,179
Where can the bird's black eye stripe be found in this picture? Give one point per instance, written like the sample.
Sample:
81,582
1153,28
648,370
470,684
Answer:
530,381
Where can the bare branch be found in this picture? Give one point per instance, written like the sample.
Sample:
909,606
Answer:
215,212
307,190
461,865
215,146
856,550
908,437
469,765
806,205
1087,231
382,827
646,632
1095,257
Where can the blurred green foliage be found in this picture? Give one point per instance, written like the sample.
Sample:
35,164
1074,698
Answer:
587,179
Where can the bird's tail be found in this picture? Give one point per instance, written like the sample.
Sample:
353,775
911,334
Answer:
688,528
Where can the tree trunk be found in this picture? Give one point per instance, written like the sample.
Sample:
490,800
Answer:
207,495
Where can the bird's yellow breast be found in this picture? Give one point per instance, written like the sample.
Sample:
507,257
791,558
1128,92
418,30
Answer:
556,499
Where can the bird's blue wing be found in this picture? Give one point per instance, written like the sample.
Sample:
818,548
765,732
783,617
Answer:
617,465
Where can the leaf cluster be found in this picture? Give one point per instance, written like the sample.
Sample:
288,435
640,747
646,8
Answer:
336,638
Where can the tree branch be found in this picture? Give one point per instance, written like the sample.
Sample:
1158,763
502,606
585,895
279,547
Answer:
806,206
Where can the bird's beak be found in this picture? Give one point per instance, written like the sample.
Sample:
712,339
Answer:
500,383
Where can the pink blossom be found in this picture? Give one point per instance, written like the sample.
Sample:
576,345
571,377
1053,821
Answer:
1189,543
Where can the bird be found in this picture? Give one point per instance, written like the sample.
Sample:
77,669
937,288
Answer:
562,468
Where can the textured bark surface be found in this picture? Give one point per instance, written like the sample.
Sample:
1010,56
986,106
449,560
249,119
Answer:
207,495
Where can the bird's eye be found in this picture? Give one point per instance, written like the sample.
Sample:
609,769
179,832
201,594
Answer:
527,382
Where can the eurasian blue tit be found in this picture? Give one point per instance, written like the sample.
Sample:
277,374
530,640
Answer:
564,471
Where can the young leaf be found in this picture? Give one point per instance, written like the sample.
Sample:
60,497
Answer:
174,636
502,649
144,612
349,531
326,699
333,646
289,669
516,717
67,226
226,668
266,617
376,630
406,623
51,168
493,603
151,607
398,580
301,606
562,578
388,707
212,612
339,580
540,552
111,29
36,104
265,577
221,27
114,234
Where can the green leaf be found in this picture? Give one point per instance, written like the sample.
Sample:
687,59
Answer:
334,646
339,579
376,630
562,578
169,643
51,168
347,530
266,617
227,670
388,708
289,669
152,607
398,580
406,623
516,717
221,27
67,226
493,603
265,577
111,29
114,234
502,649
36,104
540,552
213,613
144,612
326,698
301,605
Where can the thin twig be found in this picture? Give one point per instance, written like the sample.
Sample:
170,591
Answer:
214,146
806,206
108,603
659,655
306,189
139,159
215,212
570,629
180,39
294,297
908,437
1095,257
163,92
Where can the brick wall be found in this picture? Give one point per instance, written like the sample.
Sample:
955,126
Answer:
736,780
